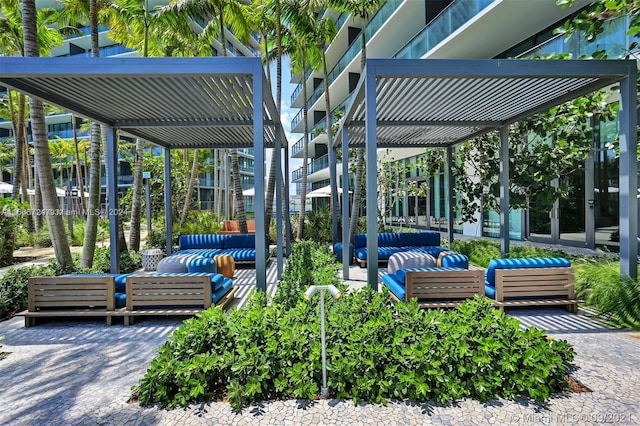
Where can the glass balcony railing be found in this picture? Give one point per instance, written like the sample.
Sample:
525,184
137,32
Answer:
315,165
296,92
298,146
372,28
297,118
613,39
453,17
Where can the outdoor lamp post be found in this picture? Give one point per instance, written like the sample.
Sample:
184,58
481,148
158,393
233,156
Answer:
324,390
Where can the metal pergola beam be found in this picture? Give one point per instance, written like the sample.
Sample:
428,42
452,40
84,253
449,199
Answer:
570,79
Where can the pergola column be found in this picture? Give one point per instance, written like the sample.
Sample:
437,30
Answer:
168,216
258,155
112,194
278,153
504,191
450,194
629,175
345,204
334,193
371,166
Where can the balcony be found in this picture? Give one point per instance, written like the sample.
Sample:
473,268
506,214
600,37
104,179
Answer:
445,24
298,146
296,92
354,49
314,166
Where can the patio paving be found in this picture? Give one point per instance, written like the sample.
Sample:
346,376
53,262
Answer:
81,372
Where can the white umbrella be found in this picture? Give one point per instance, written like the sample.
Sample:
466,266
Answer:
6,188
249,192
325,191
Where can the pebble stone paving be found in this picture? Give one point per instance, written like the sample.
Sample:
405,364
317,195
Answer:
81,373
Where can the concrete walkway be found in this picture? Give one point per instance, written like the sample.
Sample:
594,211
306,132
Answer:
81,372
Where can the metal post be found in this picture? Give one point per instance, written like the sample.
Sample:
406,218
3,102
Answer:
148,205
168,219
450,194
112,191
258,152
371,165
334,195
345,204
589,203
324,390
504,191
278,153
629,175
69,207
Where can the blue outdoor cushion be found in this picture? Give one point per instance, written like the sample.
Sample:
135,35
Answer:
394,286
388,239
241,254
216,279
384,253
337,250
119,279
455,260
202,264
432,250
222,290
240,241
360,240
489,290
401,274
201,241
408,239
533,262
209,253
121,299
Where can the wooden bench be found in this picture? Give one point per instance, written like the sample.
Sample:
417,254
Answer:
536,287
233,227
443,288
165,295
86,296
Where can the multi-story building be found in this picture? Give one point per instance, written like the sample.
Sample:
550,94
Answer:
59,125
470,29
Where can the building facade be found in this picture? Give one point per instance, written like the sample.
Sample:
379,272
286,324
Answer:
470,29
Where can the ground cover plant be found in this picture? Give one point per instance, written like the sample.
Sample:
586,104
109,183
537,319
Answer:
377,350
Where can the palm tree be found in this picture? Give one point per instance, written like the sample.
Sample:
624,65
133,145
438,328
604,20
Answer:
41,145
361,9
301,37
76,151
217,14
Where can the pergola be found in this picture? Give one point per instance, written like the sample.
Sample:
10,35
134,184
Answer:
440,103
175,103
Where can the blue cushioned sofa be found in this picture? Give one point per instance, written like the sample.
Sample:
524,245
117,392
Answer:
531,282
242,247
435,287
395,242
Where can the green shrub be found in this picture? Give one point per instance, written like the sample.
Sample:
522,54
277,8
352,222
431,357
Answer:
201,222
376,349
599,283
481,251
129,261
14,285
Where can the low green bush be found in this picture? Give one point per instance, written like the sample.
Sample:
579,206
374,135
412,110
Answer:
14,288
598,282
376,350
130,261
481,251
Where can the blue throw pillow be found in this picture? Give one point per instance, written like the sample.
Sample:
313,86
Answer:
202,265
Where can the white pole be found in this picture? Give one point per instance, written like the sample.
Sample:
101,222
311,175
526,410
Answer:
324,390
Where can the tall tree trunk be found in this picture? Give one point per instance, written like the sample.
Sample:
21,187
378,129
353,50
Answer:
305,152
26,179
136,199
37,198
41,146
332,176
93,211
192,181
78,166
93,205
18,133
357,189
237,190
271,183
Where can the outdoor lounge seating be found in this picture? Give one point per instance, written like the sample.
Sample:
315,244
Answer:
230,227
531,282
390,243
241,247
435,287
82,296
126,295
175,294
